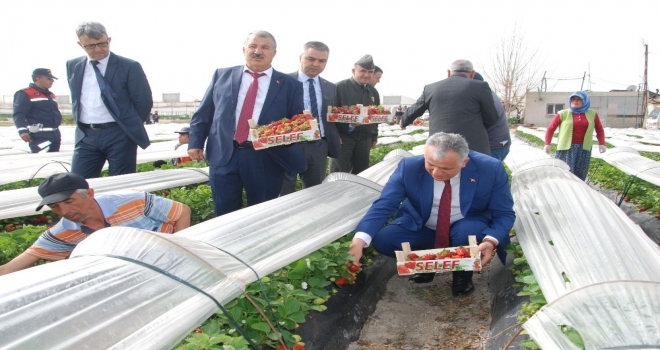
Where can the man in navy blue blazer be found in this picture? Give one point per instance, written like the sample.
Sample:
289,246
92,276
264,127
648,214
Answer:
221,122
111,101
481,205
312,63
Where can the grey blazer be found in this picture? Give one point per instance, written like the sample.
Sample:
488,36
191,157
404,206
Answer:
458,105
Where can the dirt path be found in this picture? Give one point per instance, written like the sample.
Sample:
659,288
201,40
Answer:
428,317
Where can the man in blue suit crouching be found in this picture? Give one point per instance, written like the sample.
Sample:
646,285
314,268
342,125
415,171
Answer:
252,91
478,202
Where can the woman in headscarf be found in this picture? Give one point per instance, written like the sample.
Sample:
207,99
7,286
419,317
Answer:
576,131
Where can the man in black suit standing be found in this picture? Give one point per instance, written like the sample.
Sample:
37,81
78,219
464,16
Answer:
318,94
111,101
458,104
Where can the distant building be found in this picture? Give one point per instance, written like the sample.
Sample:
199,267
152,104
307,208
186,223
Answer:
616,109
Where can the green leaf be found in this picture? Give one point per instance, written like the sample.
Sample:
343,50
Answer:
292,305
519,261
529,343
539,299
315,282
261,326
210,327
298,317
319,292
528,279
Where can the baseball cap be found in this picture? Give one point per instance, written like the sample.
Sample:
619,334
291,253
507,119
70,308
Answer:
184,130
43,72
59,187
478,76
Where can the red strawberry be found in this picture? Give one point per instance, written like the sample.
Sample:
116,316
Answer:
462,252
413,256
428,257
298,347
403,269
353,278
198,330
341,281
410,264
353,268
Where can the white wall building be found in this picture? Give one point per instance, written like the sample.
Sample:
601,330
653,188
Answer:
616,109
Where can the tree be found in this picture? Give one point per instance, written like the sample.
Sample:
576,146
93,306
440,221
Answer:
514,72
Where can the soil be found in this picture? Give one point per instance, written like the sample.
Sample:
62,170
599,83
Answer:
427,317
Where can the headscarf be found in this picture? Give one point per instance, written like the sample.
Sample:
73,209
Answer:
585,102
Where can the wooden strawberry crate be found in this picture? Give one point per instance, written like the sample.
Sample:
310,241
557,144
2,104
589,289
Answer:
361,117
429,260
259,142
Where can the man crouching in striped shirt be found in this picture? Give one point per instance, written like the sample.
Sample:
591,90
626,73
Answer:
69,196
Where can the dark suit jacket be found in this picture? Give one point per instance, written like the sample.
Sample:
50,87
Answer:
328,90
484,192
457,105
215,118
133,94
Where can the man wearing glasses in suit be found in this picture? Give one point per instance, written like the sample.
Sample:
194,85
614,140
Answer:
111,101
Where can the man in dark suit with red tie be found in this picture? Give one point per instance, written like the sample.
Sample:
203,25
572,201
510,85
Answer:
318,94
448,194
111,101
254,91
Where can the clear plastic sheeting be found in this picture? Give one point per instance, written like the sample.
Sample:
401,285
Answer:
381,172
18,163
610,315
597,269
584,227
403,138
390,134
92,301
40,165
523,156
632,163
22,202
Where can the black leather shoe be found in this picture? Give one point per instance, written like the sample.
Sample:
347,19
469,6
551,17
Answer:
421,278
461,284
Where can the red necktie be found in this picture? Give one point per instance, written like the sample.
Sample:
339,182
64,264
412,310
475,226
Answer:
444,212
243,129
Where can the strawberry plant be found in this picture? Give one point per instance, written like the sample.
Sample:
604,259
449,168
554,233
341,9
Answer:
15,241
380,151
290,293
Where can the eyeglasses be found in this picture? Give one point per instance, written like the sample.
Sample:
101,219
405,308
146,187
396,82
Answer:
93,46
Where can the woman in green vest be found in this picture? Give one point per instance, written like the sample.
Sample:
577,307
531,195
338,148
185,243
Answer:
576,132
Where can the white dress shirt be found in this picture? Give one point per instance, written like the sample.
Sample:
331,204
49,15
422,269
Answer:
264,83
92,108
303,78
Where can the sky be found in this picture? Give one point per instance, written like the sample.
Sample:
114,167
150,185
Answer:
181,43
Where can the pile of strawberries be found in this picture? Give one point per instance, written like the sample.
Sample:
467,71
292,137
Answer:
458,253
299,122
355,110
380,110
